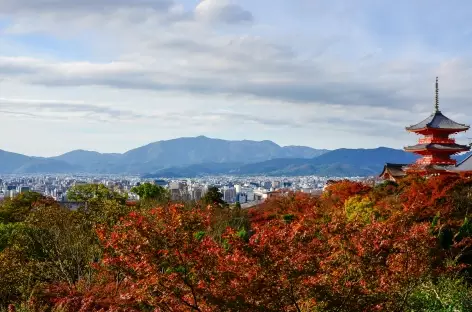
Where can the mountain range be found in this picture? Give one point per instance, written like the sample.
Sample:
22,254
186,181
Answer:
197,156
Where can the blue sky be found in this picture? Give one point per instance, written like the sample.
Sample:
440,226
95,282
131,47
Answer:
113,75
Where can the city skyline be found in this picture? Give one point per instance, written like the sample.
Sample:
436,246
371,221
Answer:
109,76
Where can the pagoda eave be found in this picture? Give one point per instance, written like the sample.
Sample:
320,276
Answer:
425,150
435,130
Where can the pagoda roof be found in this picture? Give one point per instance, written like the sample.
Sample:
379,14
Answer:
438,121
438,147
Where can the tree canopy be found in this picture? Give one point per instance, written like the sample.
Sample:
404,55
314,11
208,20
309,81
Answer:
150,191
393,247
88,192
213,196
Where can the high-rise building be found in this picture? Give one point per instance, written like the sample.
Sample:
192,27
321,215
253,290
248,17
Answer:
238,188
229,194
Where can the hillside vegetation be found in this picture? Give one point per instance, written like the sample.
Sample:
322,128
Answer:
392,247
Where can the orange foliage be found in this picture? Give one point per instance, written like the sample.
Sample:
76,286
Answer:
301,252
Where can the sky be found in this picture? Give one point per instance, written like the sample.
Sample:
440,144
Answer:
112,75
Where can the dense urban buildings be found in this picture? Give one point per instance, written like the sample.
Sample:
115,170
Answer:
245,190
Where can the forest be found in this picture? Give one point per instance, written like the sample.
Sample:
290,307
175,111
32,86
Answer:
403,246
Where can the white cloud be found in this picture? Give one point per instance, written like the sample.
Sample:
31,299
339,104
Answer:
22,6
223,11
160,69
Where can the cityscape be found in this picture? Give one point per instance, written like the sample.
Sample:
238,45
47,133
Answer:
248,191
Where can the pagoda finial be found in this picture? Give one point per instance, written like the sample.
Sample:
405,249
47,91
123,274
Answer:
436,104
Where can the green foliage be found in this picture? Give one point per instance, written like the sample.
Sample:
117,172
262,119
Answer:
288,218
229,218
107,212
9,233
199,235
151,192
435,221
444,295
243,234
88,192
51,244
359,208
213,197
68,243
18,208
465,230
385,188
101,205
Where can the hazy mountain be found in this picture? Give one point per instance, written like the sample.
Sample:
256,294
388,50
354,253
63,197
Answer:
301,152
45,165
200,150
197,170
17,163
9,162
158,156
90,161
87,157
341,162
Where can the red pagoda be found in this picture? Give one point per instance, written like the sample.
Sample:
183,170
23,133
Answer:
435,146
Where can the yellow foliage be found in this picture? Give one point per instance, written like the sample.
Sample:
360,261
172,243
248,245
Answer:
359,208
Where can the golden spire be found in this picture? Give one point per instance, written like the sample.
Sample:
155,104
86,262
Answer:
436,105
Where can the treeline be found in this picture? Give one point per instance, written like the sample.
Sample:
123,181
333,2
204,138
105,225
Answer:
392,247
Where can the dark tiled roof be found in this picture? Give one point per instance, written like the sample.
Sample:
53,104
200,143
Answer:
395,170
438,146
438,121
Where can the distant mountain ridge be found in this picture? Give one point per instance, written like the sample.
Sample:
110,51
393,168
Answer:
17,163
340,163
156,156
199,156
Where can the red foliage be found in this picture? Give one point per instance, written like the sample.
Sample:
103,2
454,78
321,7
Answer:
296,204
340,191
301,252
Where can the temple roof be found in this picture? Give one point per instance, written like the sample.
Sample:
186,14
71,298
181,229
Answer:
437,147
395,170
438,121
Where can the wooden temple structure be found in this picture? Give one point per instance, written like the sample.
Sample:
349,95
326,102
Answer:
435,147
